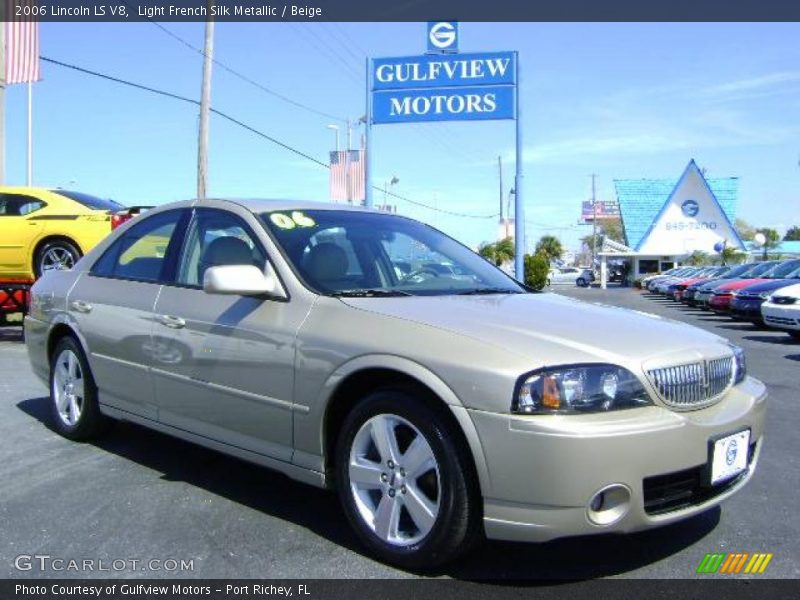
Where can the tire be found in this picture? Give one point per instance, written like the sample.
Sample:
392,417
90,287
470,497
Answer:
73,393
795,335
410,536
55,255
580,282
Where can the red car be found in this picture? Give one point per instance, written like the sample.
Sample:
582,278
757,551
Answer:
720,300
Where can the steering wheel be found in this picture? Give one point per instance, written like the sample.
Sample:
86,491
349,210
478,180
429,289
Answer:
419,275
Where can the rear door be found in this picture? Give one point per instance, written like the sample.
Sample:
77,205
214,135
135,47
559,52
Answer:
113,306
18,233
225,369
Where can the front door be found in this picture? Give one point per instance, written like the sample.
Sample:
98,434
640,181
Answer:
226,366
113,306
18,234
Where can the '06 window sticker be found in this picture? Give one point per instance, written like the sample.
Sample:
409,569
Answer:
297,219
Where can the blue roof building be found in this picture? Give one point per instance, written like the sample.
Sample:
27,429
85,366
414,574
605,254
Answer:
665,220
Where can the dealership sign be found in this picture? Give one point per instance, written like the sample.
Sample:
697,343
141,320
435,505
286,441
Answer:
444,87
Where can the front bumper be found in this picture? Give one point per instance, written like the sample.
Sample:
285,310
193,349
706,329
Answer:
748,309
720,304
786,317
545,470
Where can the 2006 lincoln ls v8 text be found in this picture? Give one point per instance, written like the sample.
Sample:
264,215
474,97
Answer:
368,352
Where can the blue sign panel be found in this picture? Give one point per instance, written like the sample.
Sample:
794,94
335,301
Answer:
441,70
442,36
448,104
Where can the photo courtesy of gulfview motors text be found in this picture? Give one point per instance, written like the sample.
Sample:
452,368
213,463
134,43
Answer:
139,589
291,295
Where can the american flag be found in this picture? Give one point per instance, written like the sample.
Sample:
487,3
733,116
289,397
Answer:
22,45
349,189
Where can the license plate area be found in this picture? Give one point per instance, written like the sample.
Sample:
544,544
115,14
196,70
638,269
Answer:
728,456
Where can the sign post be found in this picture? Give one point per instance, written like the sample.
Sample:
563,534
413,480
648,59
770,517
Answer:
519,207
446,85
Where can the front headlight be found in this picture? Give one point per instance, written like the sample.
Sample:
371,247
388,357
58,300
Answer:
741,364
579,389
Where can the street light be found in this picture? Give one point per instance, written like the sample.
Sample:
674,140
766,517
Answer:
335,128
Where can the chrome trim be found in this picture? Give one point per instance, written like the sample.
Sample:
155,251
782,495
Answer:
693,385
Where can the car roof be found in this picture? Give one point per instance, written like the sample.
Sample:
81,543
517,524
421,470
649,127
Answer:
258,205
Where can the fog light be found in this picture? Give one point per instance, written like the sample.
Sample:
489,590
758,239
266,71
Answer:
609,504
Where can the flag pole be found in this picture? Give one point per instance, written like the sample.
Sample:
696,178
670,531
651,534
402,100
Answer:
29,178
2,102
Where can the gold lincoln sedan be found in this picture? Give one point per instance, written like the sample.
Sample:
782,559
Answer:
371,354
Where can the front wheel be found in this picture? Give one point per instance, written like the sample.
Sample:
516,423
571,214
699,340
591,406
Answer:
580,282
404,482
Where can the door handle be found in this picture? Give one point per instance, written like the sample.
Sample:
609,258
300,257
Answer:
171,321
81,306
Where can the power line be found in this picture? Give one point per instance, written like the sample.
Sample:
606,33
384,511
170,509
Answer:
249,128
245,78
185,99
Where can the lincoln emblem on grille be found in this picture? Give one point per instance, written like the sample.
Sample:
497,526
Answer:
704,377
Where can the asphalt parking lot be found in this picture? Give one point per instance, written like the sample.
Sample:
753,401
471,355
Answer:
140,495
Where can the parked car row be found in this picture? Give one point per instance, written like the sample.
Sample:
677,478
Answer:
764,293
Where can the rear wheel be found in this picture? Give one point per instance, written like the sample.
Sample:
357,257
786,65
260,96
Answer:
404,482
73,393
580,282
795,334
55,255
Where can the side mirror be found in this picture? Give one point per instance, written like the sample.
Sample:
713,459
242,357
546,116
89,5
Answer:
241,280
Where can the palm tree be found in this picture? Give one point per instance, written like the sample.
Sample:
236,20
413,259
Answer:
499,252
698,258
550,246
504,251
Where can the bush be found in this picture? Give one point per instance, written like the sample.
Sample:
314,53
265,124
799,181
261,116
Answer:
536,269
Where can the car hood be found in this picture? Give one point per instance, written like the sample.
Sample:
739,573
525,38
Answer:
769,285
738,284
531,325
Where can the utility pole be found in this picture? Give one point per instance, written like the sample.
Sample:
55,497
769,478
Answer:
500,173
205,104
594,220
3,95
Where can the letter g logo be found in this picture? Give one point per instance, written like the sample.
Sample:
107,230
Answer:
442,36
23,562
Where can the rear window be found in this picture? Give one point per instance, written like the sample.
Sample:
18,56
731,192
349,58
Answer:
88,201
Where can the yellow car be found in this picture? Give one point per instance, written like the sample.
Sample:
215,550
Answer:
42,229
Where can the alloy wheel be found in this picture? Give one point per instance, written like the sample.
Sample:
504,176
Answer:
395,480
69,388
56,258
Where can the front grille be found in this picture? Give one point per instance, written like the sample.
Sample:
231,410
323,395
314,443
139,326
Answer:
682,489
779,320
695,384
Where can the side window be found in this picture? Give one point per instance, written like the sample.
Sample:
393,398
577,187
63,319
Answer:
17,205
217,238
139,254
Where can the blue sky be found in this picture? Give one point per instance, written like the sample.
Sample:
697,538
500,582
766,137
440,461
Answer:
619,100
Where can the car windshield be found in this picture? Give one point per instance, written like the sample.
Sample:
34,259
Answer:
759,269
782,270
350,253
737,270
88,201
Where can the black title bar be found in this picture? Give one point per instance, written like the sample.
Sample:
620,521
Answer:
406,10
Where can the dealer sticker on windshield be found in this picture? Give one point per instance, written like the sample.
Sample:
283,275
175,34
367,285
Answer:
729,456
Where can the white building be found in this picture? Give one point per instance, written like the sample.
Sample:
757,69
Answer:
666,220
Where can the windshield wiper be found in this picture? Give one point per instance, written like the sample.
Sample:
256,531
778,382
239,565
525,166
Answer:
488,290
369,293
